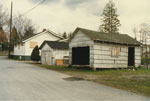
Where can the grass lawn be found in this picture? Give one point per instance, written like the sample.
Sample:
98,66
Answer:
133,81
3,53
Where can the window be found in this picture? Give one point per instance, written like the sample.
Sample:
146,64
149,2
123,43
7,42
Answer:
33,44
115,51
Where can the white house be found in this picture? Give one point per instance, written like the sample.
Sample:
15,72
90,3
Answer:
103,50
23,49
54,53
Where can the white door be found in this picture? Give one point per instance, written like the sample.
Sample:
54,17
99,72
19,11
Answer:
47,57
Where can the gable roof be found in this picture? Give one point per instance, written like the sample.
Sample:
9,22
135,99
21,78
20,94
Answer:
56,45
30,36
106,37
35,35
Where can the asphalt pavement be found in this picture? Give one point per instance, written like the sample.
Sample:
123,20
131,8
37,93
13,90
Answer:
20,81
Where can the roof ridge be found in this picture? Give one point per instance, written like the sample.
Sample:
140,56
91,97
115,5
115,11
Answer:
98,31
48,30
114,37
56,45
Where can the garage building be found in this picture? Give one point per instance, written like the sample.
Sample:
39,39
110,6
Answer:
103,50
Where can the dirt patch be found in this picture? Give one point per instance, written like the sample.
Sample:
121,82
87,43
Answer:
73,79
86,77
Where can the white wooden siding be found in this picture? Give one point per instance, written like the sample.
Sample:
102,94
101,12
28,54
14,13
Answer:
80,40
50,55
137,56
59,54
46,55
40,39
103,59
26,50
19,49
100,53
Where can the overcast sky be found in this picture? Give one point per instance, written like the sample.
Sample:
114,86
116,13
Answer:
66,15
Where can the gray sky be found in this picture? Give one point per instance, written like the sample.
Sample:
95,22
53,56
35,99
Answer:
66,15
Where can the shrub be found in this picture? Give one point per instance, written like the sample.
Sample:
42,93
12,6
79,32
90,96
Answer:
35,55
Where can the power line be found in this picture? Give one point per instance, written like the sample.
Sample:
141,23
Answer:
32,8
38,4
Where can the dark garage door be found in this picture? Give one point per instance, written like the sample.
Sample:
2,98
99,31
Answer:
80,56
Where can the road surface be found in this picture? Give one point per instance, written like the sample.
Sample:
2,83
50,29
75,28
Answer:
22,81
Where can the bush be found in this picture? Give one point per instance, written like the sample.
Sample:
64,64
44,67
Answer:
145,60
35,55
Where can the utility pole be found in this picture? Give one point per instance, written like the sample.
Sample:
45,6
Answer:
9,54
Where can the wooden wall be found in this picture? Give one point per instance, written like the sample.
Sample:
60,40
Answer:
102,56
49,55
137,56
79,40
101,53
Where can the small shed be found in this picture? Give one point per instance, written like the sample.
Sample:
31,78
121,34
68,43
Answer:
103,50
54,53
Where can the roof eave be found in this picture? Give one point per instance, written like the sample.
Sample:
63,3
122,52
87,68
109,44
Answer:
100,41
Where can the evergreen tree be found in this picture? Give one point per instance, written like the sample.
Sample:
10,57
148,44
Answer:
35,55
65,35
109,18
3,37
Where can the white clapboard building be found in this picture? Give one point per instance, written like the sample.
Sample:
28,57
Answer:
54,53
103,50
23,49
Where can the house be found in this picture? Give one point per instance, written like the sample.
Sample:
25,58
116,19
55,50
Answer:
103,50
54,53
23,49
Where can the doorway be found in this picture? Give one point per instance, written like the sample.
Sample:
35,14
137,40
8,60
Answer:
131,56
80,56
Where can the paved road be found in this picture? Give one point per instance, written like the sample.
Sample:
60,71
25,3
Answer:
21,81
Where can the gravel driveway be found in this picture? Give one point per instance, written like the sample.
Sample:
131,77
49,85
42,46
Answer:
21,81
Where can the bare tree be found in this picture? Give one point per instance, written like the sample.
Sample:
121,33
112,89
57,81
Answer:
4,23
3,16
144,33
144,39
23,25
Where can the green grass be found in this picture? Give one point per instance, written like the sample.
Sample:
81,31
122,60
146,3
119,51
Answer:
134,81
3,53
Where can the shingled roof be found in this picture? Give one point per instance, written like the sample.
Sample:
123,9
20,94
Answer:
107,37
56,45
